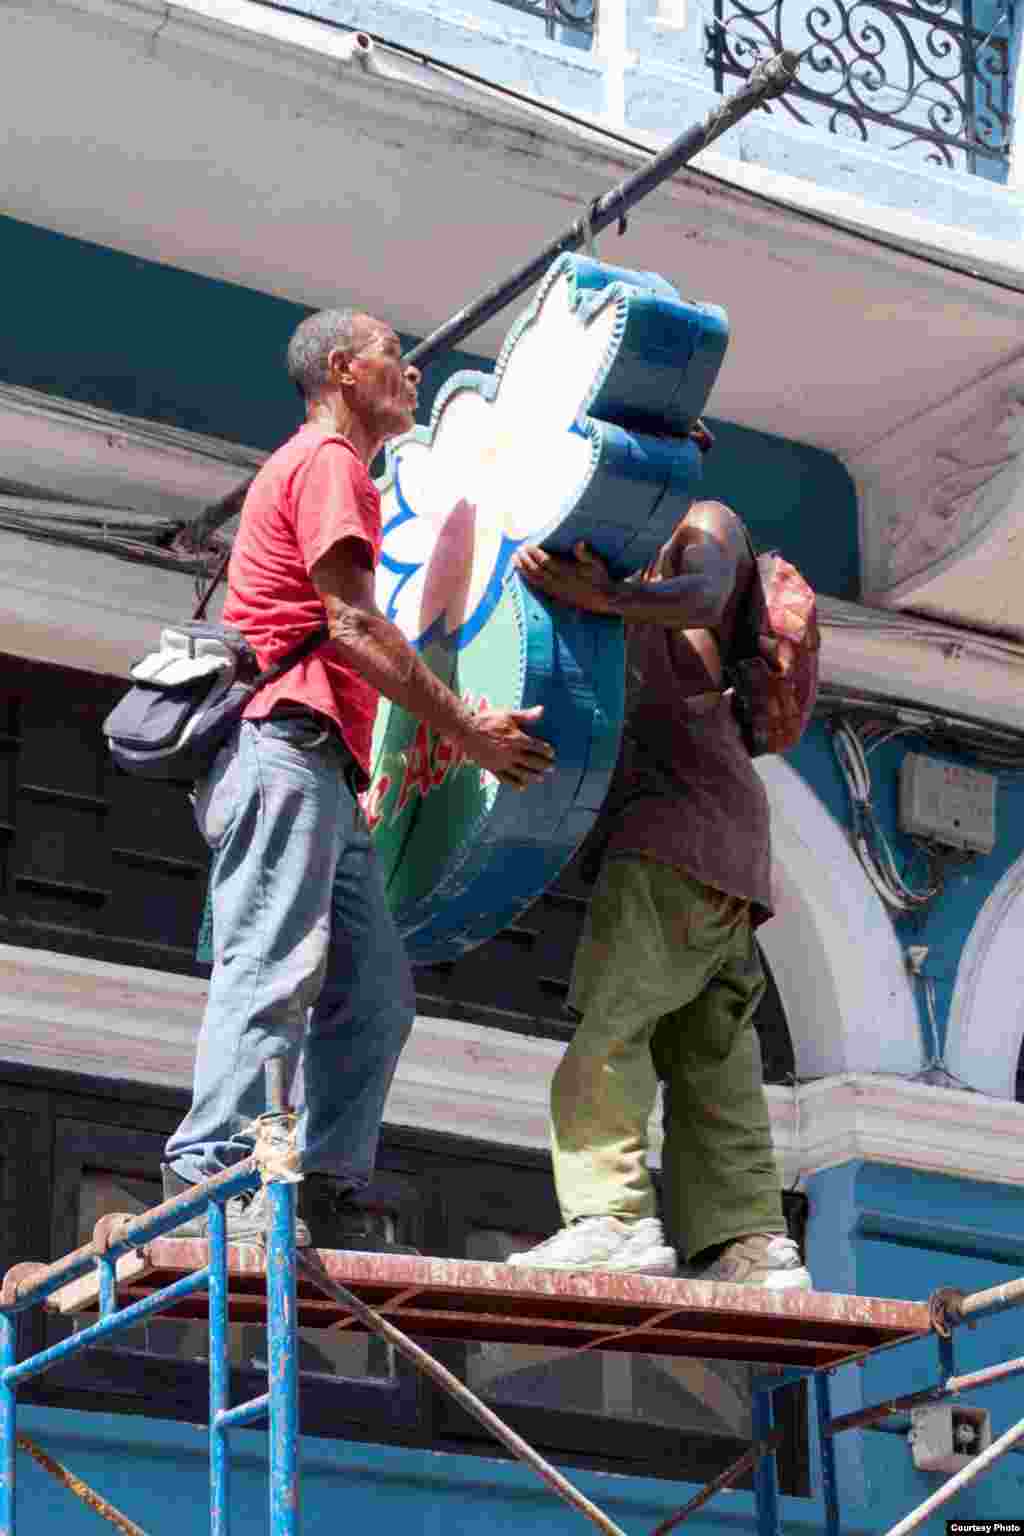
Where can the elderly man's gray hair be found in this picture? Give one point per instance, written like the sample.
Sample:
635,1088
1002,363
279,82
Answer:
312,344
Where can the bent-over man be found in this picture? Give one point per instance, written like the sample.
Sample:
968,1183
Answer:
308,964
667,976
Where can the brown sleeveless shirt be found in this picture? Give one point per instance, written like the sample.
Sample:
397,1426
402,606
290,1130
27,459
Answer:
685,791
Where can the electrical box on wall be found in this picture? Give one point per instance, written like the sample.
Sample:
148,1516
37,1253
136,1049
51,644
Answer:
947,803
944,1437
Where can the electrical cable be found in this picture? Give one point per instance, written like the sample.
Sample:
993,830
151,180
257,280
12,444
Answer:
872,847
996,749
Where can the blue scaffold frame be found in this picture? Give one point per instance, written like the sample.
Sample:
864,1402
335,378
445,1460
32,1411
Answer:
273,1165
278,1405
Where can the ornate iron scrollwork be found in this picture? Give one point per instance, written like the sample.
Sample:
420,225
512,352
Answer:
577,15
924,69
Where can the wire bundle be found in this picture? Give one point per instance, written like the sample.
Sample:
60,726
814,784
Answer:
853,744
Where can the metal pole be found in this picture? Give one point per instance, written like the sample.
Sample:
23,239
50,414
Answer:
47,1278
867,1418
827,1452
863,1418
81,1490
107,1268
982,1378
282,1373
274,1075
949,1490
766,1482
768,80
220,1464
996,1299
462,1395
724,1479
8,1423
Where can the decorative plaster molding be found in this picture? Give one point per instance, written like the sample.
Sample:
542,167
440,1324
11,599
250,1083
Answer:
986,1016
885,1119
942,503
921,663
86,609
138,1025
82,451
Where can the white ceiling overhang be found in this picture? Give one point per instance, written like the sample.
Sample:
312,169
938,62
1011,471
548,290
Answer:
252,146
248,145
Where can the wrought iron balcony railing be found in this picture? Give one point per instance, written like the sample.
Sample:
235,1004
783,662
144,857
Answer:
575,15
924,76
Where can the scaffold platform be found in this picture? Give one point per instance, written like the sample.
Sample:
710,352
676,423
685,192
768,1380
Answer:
438,1298
133,1269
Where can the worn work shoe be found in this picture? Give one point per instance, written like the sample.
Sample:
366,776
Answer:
248,1215
603,1243
766,1259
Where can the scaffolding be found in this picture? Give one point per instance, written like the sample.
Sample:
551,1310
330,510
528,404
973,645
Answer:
131,1270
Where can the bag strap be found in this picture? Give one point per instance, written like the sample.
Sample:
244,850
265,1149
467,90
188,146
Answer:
305,647
203,603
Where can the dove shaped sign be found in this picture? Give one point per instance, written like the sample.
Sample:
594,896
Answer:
579,433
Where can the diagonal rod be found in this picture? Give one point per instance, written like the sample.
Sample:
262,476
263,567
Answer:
80,1489
461,1393
725,1479
770,79
974,1468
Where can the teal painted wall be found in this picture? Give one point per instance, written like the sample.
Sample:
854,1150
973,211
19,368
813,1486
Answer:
156,1473
878,1230
945,928
149,340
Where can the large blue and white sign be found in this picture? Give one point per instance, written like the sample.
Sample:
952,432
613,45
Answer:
579,433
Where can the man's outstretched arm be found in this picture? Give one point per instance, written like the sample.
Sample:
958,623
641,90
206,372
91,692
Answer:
712,548
375,648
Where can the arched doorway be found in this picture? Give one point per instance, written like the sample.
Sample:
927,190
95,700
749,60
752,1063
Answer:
986,1016
836,961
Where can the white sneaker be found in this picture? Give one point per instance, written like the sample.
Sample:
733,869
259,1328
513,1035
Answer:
765,1259
603,1243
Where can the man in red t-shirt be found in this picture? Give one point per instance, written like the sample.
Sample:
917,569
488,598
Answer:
308,964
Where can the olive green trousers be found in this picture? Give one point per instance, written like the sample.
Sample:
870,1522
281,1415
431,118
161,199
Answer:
666,980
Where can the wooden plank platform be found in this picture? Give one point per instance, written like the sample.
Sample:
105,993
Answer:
432,1298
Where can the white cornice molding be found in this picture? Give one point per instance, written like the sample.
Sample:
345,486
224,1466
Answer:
137,1025
83,451
886,1119
920,662
82,608
942,506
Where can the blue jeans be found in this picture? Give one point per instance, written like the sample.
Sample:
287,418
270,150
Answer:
308,963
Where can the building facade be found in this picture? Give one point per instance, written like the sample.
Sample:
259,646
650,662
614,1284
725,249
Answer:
185,182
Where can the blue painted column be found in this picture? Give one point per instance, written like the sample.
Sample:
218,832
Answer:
8,1422
766,1482
827,1452
283,1364
107,1269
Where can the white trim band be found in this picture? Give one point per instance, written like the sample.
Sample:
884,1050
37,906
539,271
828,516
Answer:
129,1023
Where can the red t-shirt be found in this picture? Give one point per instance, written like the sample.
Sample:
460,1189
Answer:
312,492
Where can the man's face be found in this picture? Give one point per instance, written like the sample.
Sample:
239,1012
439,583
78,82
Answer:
383,393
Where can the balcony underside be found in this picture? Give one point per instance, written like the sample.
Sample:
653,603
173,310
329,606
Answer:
240,144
